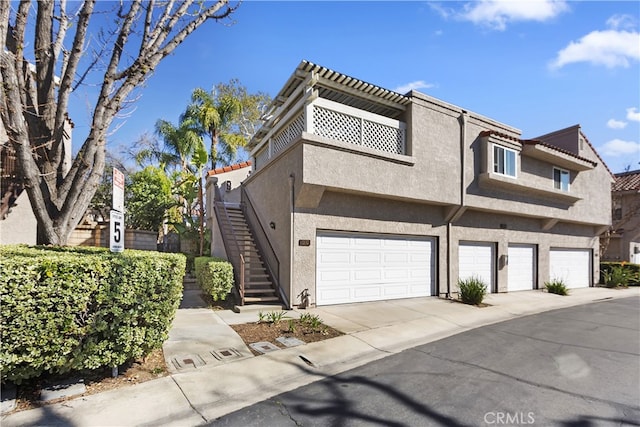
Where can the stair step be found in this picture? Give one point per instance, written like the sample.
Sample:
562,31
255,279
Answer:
255,292
260,299
257,283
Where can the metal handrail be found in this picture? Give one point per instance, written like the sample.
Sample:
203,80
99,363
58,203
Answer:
239,264
262,242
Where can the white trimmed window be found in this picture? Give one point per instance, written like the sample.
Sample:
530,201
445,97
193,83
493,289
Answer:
504,161
561,179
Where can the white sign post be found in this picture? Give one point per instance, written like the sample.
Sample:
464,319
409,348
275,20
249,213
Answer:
116,231
117,200
116,216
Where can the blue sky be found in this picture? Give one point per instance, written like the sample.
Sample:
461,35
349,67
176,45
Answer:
537,65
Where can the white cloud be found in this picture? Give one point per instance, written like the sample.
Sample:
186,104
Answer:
444,12
616,47
496,14
633,114
618,147
618,22
418,84
616,124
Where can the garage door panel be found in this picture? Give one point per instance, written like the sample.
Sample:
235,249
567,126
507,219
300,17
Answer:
365,243
367,275
336,258
476,260
333,295
367,292
360,258
395,258
338,276
395,274
398,291
355,268
332,241
521,273
572,266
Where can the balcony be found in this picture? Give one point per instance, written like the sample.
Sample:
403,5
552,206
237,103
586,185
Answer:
336,122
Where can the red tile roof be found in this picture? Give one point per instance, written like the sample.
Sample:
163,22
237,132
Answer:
230,168
536,142
627,181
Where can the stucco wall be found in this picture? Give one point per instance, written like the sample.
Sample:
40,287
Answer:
488,227
230,194
21,225
270,191
342,187
351,212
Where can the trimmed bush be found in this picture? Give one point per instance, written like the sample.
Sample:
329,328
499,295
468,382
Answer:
65,309
614,274
472,290
556,286
215,276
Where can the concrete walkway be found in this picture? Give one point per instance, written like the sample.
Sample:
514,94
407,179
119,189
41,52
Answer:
197,393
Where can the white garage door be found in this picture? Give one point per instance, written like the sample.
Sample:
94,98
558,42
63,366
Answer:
521,267
356,268
573,266
477,260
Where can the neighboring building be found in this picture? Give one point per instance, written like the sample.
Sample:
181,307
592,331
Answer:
228,179
18,223
365,194
623,242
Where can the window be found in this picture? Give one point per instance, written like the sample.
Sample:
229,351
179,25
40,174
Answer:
504,161
561,179
617,214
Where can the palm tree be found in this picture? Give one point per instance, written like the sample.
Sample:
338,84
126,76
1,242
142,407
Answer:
184,152
180,145
215,114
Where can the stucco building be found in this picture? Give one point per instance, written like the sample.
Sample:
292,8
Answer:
365,194
623,242
18,223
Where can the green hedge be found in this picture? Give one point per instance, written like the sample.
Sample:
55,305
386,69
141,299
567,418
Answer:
66,309
630,271
215,276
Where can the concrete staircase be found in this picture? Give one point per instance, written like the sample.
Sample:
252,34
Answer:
258,287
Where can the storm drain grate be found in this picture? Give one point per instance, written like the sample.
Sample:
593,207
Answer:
188,361
225,354
290,341
264,347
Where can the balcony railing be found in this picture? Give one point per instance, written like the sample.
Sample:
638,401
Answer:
337,122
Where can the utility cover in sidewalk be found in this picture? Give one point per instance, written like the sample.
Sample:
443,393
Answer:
264,347
226,354
290,341
188,361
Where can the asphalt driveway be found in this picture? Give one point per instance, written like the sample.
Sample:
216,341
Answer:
578,366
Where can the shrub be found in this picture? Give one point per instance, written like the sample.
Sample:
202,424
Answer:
272,317
619,274
556,286
61,311
472,290
215,276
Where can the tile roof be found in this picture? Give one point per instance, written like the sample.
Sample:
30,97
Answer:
627,181
535,142
229,168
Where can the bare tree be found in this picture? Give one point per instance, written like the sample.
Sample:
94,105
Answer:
37,83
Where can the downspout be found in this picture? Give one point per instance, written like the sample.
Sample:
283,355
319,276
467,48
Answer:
463,137
292,220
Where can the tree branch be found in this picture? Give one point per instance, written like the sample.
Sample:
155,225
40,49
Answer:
67,79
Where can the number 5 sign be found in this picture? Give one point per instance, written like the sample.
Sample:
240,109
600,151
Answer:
116,231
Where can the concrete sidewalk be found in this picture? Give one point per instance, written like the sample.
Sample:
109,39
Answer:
194,395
